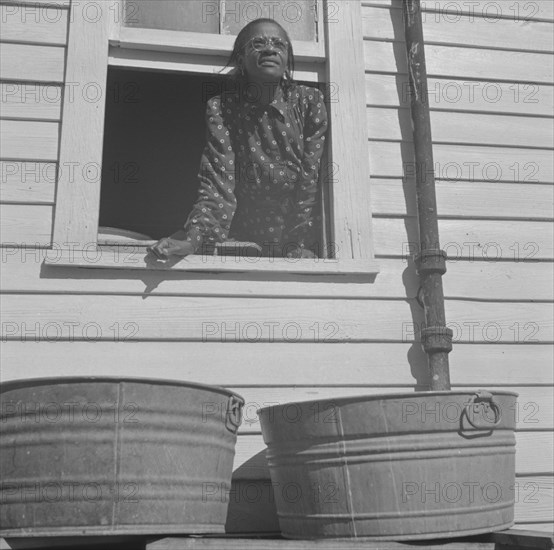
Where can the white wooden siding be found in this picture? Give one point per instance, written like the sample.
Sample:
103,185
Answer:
52,3
30,140
30,101
460,128
27,182
387,90
30,24
476,280
465,162
490,94
31,63
462,30
394,237
193,319
495,173
539,10
267,365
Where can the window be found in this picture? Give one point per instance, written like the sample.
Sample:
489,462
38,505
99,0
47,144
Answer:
330,51
153,141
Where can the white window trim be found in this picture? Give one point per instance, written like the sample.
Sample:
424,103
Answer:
78,200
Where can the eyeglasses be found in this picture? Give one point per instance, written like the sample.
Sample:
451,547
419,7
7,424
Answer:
259,43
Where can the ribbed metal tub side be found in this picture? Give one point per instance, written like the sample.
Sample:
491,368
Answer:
110,456
398,467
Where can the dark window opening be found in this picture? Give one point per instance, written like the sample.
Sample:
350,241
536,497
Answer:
154,135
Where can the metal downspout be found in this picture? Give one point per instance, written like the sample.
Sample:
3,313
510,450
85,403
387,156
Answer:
431,260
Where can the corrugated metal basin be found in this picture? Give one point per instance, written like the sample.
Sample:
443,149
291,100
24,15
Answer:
393,467
102,456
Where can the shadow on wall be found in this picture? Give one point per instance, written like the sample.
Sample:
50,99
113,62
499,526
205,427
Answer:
251,501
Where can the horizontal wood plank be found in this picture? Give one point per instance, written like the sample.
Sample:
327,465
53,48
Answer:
33,25
546,527
457,29
26,225
463,95
42,3
35,140
234,543
256,320
274,364
534,456
467,239
24,272
396,197
537,10
464,128
32,63
29,100
460,63
465,162
27,182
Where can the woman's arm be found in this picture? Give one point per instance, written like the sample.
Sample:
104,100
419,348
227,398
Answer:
211,216
210,219
300,224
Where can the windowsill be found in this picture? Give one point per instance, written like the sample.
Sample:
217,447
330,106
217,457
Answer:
135,257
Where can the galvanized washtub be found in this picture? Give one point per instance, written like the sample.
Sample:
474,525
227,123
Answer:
101,456
393,467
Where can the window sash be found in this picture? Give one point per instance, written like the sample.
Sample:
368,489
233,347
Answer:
78,197
193,42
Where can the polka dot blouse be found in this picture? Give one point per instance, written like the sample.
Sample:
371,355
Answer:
260,169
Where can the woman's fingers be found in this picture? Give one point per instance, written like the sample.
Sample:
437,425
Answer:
172,247
168,247
160,249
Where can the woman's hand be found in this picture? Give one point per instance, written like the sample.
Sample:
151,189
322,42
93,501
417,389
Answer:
169,246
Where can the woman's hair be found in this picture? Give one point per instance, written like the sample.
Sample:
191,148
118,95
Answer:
242,40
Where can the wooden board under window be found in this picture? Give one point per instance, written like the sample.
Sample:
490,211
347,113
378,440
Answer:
213,320
478,280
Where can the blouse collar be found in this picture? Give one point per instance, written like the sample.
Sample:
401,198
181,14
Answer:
279,102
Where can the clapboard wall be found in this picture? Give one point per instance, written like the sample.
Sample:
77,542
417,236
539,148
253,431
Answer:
491,100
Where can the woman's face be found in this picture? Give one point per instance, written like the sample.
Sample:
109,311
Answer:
265,56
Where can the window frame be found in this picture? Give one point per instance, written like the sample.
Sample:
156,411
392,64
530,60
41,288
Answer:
93,46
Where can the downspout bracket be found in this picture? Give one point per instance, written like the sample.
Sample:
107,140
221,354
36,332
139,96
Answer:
431,260
437,339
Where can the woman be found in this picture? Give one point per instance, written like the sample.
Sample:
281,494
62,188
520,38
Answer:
260,168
